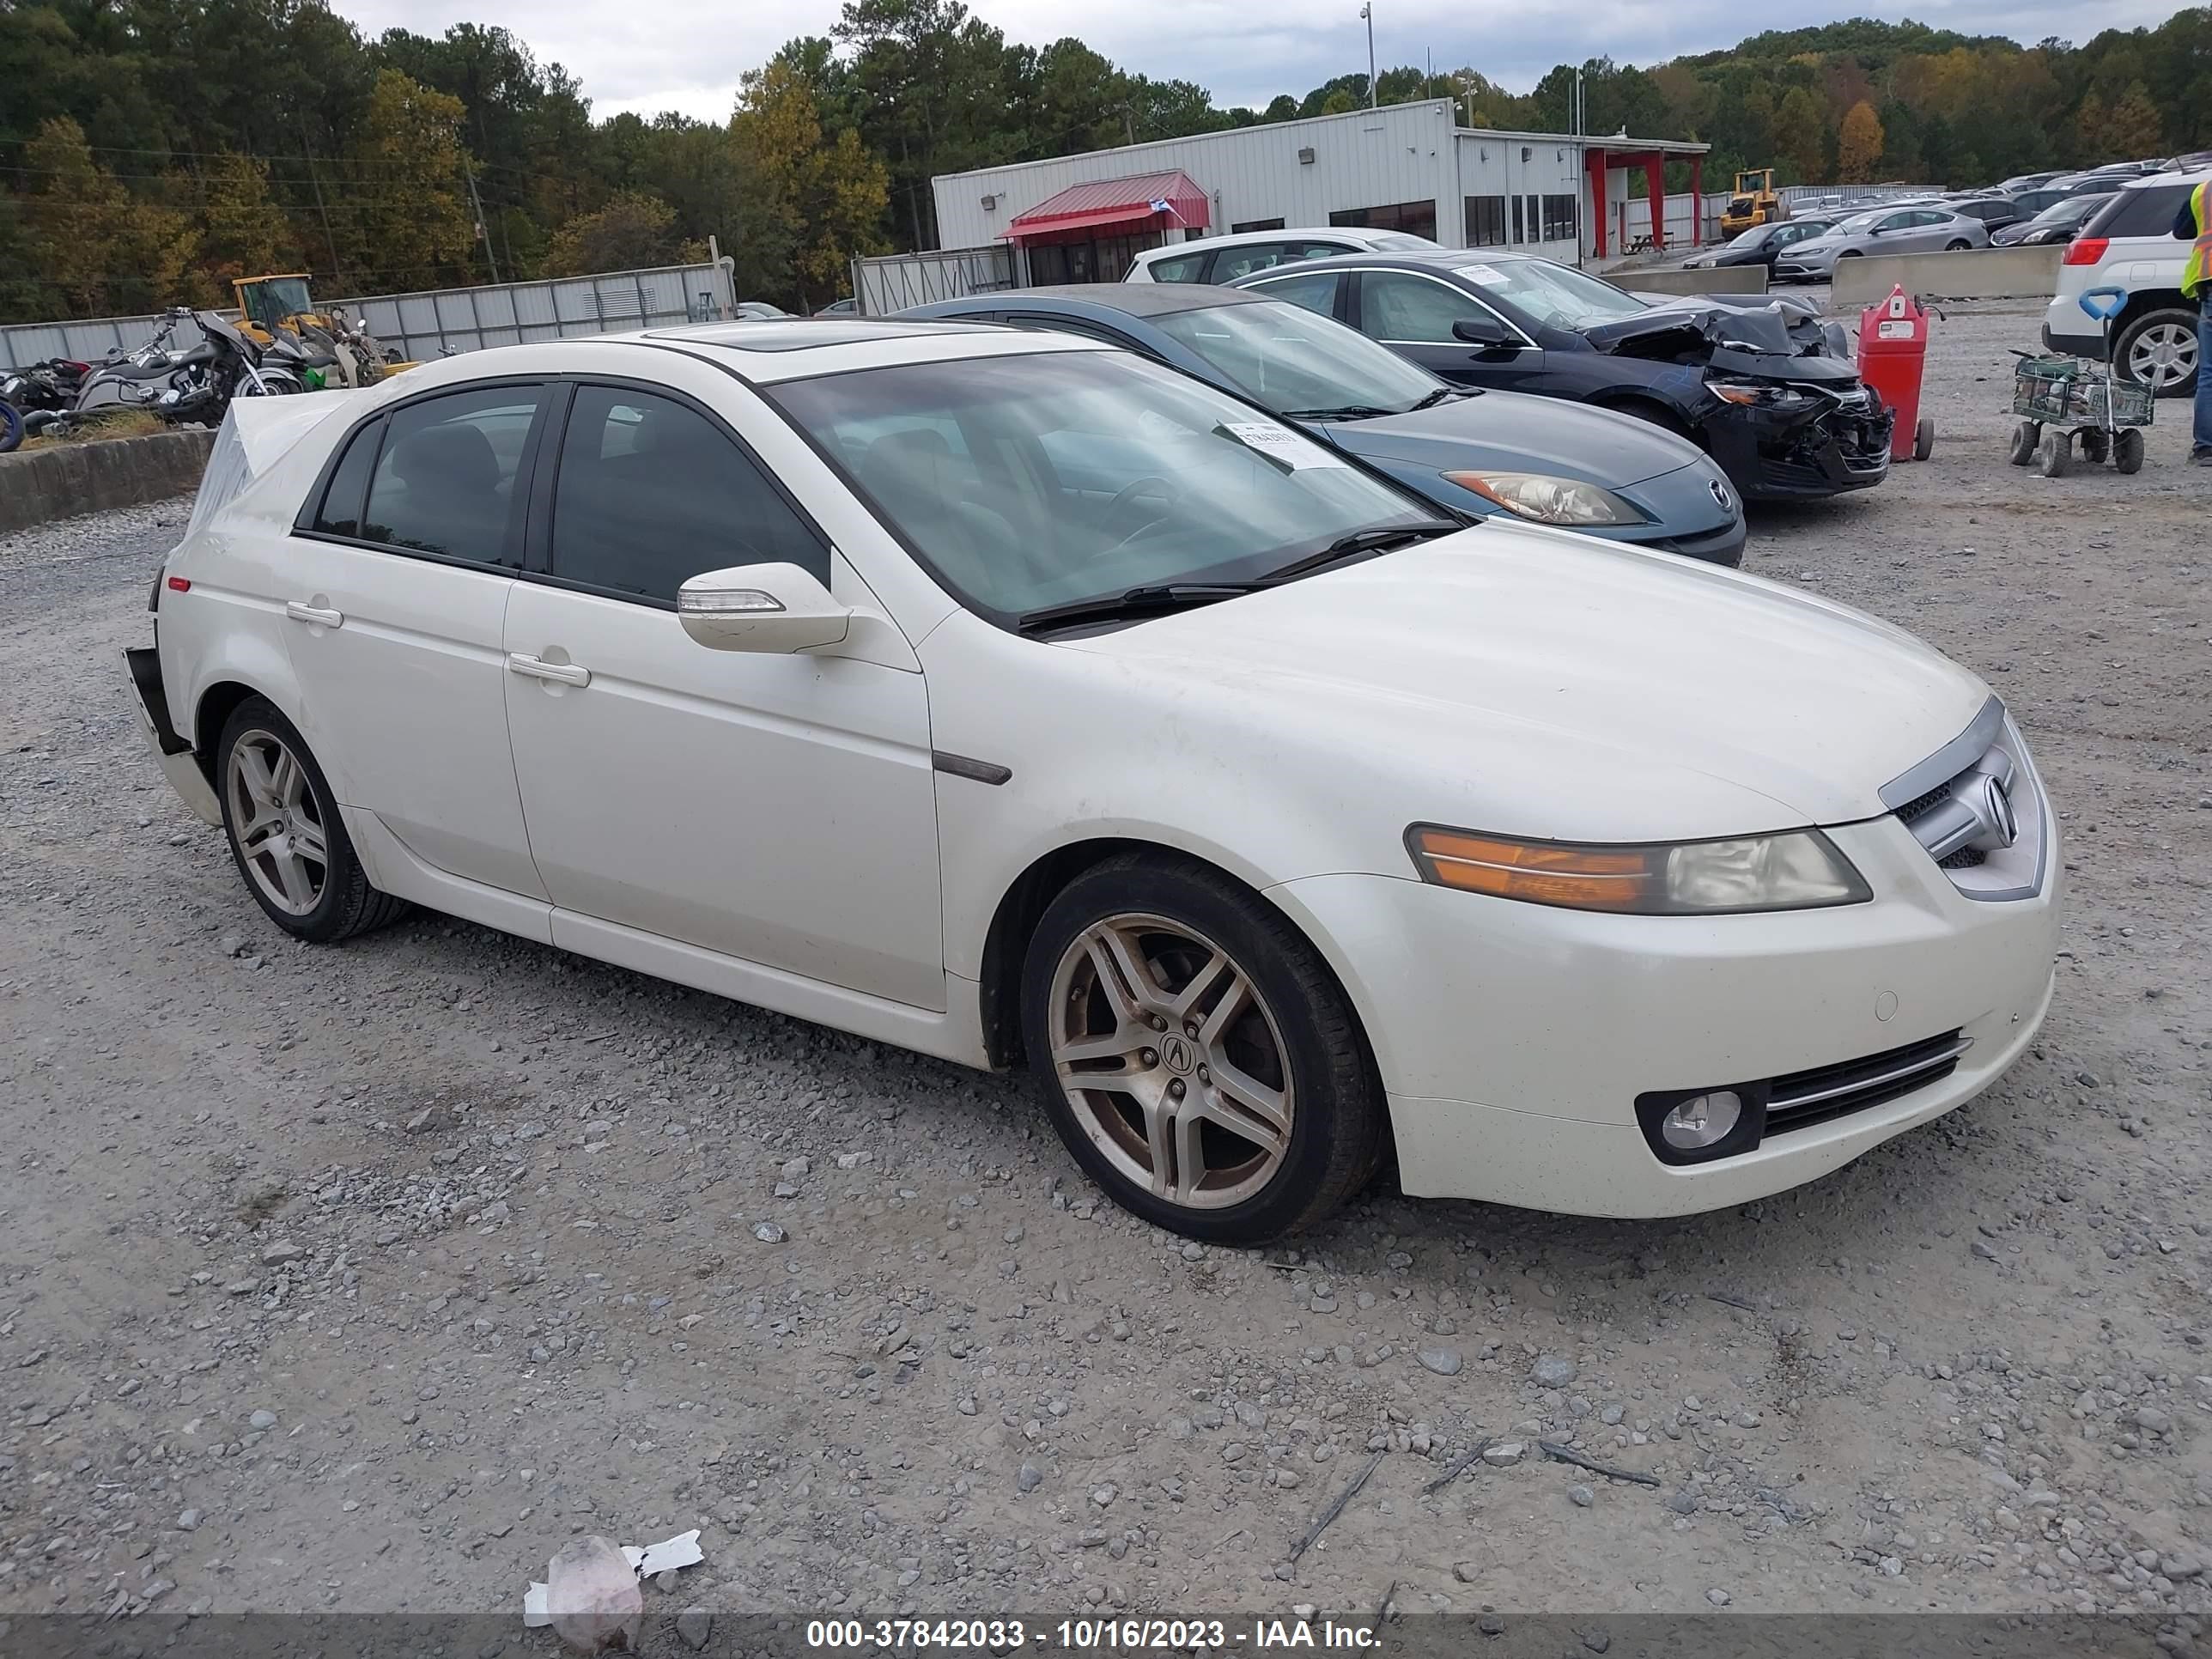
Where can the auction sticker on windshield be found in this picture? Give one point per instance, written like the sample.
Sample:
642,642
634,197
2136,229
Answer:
1487,276
1281,445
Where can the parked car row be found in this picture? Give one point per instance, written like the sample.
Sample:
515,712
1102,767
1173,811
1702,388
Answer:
1008,695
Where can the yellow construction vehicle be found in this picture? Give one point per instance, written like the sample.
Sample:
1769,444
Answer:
1754,203
282,304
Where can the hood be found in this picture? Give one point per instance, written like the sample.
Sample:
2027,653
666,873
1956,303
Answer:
1516,433
1781,337
1564,687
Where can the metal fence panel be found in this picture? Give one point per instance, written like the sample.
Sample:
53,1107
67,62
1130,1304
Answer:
896,281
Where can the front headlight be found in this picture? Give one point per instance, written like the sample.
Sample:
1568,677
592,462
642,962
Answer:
1796,870
1547,500
1758,394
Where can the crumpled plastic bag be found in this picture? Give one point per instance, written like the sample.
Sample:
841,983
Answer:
593,1598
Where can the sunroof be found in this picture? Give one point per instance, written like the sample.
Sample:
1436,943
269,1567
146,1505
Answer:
799,333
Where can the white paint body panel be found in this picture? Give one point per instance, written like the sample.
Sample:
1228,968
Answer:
770,827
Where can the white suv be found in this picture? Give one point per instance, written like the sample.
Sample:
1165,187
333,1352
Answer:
2129,243
1224,258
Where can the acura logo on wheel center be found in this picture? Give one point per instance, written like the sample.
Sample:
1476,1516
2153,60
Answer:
1175,1055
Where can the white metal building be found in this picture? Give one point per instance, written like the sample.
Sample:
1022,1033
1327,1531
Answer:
1407,167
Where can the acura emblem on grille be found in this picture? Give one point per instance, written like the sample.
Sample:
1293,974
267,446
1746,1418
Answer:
1992,804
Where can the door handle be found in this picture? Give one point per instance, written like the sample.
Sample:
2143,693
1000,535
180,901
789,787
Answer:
564,673
300,610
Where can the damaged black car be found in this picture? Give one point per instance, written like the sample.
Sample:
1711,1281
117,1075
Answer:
1764,385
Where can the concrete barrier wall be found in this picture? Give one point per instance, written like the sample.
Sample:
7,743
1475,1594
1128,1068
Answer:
1982,273
37,486
1727,279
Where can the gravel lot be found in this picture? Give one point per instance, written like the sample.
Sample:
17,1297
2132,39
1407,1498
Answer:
362,1278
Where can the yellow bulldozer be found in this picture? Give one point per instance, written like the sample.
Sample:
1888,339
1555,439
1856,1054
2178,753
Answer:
1752,203
278,313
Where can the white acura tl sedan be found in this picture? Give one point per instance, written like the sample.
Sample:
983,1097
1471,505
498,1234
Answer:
1010,698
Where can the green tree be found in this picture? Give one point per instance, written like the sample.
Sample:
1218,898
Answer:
631,231
1801,135
1859,147
828,196
243,233
409,226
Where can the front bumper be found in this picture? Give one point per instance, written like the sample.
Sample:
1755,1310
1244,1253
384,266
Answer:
171,752
1772,456
1513,1039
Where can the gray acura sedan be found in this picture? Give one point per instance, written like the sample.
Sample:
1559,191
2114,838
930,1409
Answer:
1924,228
1539,460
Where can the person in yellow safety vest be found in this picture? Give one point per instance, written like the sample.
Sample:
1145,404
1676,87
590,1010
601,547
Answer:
2192,225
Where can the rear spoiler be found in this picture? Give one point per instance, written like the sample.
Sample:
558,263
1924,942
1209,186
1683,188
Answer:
255,435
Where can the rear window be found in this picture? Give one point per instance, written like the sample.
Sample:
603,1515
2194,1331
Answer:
2146,212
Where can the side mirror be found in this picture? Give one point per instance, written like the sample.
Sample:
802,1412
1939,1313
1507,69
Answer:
1483,331
775,608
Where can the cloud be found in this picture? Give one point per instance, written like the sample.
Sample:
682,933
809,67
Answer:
644,61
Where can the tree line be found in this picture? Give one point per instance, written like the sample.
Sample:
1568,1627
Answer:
152,150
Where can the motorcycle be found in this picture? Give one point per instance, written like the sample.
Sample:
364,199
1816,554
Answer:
182,387
52,384
11,426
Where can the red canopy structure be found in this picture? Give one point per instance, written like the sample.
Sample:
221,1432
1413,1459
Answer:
1145,201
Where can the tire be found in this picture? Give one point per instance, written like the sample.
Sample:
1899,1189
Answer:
2096,447
1287,1034
2053,456
1849,253
2025,437
1959,247
1924,440
11,426
283,811
2159,350
2128,450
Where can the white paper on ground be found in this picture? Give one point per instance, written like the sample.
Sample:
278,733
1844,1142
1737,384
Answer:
681,1551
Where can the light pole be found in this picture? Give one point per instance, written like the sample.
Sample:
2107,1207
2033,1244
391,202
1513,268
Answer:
1367,12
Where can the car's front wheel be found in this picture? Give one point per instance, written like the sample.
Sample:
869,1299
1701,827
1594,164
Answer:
1196,1054
285,834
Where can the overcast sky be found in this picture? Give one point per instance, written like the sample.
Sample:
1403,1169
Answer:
652,58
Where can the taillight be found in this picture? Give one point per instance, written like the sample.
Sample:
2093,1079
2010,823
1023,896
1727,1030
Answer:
2086,251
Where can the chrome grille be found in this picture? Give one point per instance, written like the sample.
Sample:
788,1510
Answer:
1977,808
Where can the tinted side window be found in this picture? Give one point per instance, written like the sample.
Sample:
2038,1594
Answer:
1180,267
339,513
1316,290
1395,306
445,479
652,492
2146,212
1230,263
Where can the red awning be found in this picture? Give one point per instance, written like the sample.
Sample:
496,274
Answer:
1172,198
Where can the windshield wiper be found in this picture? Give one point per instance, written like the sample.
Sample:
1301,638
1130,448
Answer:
1343,412
1134,602
1444,392
1379,540
1153,598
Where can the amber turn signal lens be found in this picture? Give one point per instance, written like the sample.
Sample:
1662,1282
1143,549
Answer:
1540,873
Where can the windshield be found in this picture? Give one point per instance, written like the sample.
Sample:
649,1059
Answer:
1042,478
2066,212
1285,356
1751,238
1557,295
1859,222
270,301
1398,239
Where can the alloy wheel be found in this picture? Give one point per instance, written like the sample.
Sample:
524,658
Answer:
1172,1062
2163,355
282,841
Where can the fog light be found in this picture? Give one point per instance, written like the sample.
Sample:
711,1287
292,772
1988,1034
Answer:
1701,1120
